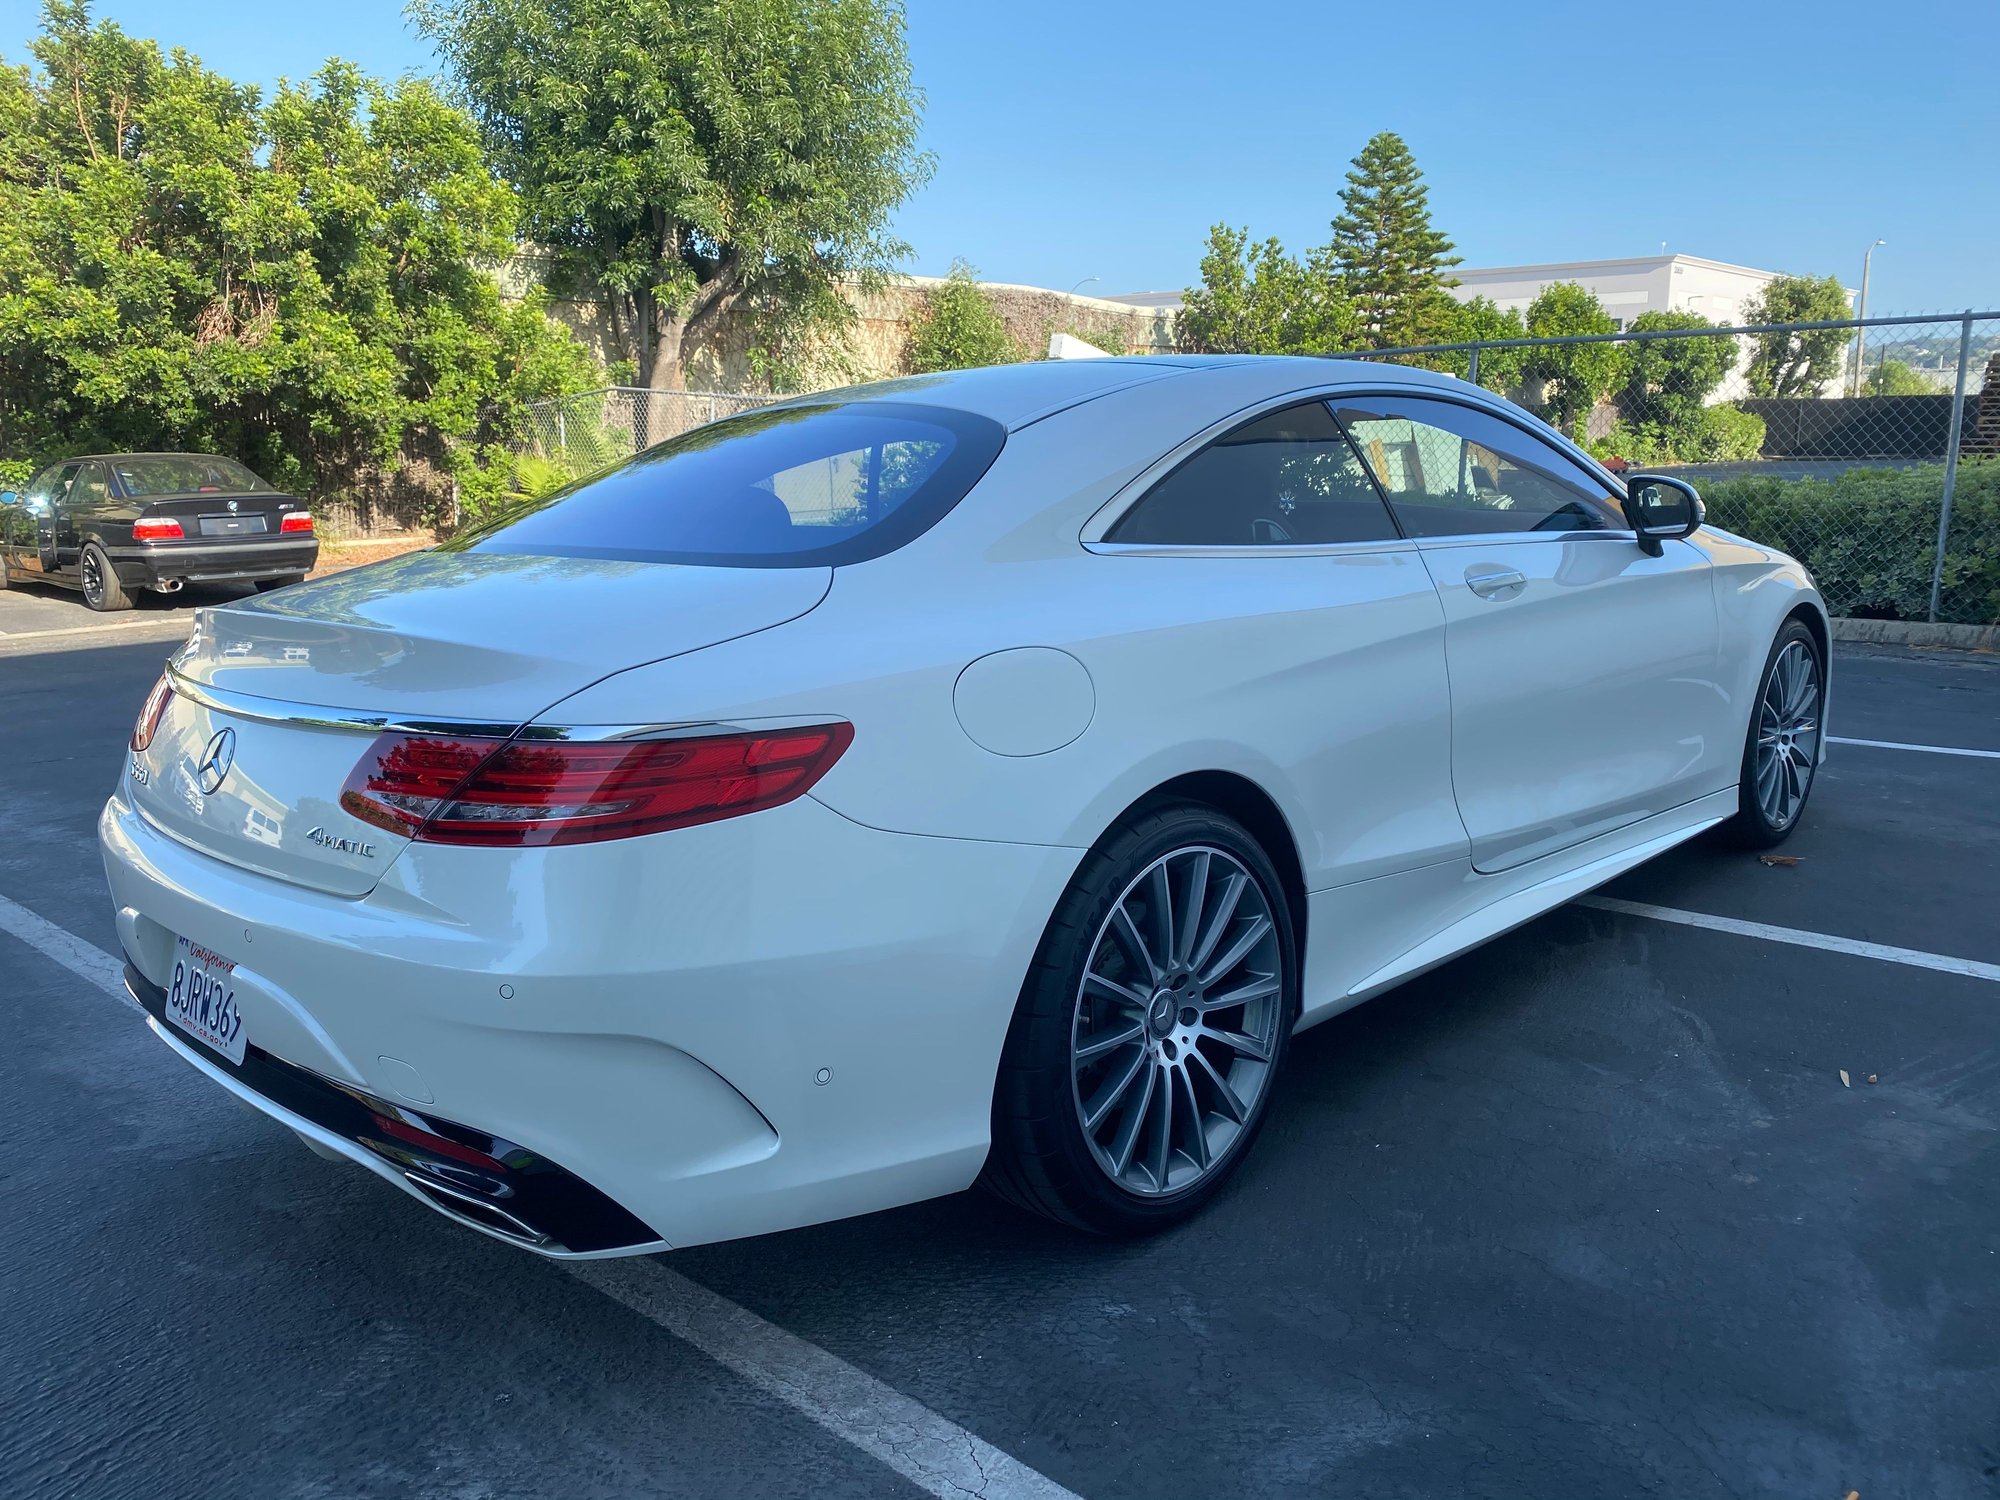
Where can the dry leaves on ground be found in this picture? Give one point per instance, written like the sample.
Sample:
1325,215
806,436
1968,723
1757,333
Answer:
1777,861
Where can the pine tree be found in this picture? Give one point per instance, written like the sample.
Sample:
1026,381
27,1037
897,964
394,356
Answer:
1391,262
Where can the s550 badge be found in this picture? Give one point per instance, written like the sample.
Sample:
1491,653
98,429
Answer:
339,845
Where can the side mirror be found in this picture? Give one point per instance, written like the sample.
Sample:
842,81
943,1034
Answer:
1661,509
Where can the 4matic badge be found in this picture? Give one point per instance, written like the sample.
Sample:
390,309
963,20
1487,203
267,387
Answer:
338,845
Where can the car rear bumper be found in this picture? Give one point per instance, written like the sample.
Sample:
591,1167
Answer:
721,1031
149,565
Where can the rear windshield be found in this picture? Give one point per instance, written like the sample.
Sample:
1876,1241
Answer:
185,474
792,486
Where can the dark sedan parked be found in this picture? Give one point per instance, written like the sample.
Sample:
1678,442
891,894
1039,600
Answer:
112,524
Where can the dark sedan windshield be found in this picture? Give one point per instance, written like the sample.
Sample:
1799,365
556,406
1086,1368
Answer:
791,486
185,474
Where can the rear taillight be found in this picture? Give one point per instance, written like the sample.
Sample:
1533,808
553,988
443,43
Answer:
151,712
156,531
298,520
513,792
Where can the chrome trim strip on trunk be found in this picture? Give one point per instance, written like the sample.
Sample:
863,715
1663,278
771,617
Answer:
319,716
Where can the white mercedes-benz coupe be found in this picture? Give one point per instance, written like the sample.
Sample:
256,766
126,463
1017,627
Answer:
970,776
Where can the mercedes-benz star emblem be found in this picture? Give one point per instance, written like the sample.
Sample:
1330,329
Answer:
216,761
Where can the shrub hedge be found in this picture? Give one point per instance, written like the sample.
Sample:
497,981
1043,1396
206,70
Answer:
1870,536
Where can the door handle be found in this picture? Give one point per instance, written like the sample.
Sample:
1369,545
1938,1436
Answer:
1490,582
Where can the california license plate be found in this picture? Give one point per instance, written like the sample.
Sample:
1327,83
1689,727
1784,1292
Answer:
201,998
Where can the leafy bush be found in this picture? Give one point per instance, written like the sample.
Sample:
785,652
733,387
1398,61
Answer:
959,328
1703,435
1870,536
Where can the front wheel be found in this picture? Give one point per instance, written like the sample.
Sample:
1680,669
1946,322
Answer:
1151,1028
1781,749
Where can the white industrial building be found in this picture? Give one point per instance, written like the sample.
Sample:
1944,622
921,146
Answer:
1638,284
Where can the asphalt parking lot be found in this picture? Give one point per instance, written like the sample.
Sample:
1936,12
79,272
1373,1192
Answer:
1589,1212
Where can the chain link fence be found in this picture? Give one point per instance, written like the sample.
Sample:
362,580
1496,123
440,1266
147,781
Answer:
1869,449
581,434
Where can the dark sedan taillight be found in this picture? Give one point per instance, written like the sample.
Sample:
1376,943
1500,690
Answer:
156,531
297,521
523,792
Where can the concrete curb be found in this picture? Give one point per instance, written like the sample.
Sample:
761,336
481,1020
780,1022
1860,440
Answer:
1917,633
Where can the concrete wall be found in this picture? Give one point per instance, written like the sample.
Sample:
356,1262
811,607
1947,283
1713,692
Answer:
875,345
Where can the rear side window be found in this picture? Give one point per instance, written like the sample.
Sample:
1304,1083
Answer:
793,486
1288,478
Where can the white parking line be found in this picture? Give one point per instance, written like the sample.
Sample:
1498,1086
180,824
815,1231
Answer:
932,1452
935,1454
85,960
1916,958
1834,739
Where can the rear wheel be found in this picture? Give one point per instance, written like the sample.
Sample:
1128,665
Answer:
1781,748
1151,1029
101,589
285,581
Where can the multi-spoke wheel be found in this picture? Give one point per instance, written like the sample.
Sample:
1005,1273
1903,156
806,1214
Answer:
1151,1028
1176,1019
101,588
1782,752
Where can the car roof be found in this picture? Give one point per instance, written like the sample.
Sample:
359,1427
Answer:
1019,394
77,458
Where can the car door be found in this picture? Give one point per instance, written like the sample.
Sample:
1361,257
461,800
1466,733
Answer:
32,533
1585,686
1305,626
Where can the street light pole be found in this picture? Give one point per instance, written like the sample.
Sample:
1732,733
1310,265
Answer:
1861,312
1085,282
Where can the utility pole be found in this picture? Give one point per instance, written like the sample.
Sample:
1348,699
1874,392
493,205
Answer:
1861,334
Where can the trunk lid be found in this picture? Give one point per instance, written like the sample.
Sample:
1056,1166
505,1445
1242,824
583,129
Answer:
216,514
493,639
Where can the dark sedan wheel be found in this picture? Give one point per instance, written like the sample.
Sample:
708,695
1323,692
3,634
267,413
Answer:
101,589
1151,1029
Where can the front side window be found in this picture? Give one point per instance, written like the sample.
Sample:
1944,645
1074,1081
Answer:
1285,479
790,486
50,488
1450,470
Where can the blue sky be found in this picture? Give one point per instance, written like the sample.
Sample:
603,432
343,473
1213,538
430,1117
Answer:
1102,139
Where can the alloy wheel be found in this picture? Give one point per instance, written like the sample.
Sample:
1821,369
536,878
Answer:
93,579
1788,730
1176,1020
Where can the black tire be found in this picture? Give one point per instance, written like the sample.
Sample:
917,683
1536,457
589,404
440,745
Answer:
1754,826
1042,1159
101,589
284,581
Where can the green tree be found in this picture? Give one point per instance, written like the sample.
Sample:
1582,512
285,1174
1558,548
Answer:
1390,261
958,327
686,157
1797,364
1575,377
1668,379
1893,377
1481,320
296,283
1256,299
